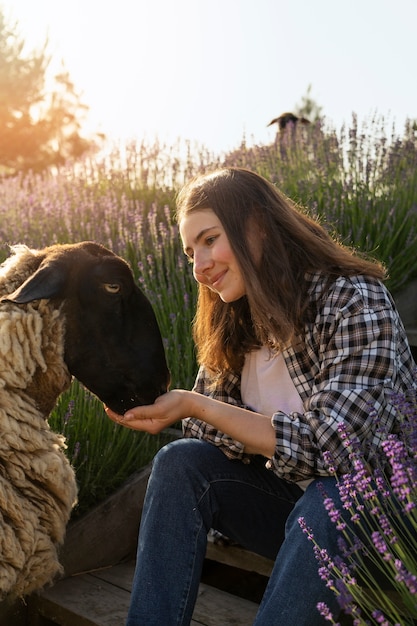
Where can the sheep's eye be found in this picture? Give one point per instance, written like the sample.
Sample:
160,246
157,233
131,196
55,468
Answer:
112,287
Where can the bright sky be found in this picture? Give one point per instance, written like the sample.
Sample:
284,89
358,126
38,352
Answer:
212,71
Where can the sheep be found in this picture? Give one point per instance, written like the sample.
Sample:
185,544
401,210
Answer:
286,119
67,310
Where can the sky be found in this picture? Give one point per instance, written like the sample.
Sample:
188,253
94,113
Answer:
213,72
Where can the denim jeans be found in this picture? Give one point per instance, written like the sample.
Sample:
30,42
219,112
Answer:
194,487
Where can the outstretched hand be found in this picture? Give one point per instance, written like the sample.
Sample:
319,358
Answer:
254,430
153,418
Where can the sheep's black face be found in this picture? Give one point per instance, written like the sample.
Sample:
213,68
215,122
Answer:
112,340
113,344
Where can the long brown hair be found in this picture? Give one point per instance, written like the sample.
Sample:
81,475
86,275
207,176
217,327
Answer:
276,245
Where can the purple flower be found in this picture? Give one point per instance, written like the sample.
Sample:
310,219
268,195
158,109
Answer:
344,597
403,575
382,508
326,613
329,461
380,618
70,411
334,513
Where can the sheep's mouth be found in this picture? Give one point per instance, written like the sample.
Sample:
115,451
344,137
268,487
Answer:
121,405
122,400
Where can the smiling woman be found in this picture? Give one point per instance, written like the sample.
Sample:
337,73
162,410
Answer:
296,336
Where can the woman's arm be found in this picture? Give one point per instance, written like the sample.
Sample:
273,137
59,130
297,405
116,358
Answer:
253,430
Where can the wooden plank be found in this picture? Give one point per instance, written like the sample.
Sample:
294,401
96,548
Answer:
237,556
13,613
213,606
102,597
107,534
219,608
120,575
82,601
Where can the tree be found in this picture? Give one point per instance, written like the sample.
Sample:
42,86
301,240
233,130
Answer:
308,107
39,127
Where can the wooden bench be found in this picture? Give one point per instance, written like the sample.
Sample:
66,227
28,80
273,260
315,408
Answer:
236,556
99,563
98,558
101,598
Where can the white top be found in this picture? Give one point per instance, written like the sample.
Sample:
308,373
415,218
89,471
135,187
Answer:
267,387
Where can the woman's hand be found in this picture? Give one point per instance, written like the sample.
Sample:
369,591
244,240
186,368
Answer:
153,418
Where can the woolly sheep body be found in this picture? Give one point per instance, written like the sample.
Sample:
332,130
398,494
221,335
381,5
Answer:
40,333
37,484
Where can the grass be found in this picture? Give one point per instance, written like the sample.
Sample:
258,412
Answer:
361,181
103,453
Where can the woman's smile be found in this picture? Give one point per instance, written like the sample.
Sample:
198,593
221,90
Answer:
215,282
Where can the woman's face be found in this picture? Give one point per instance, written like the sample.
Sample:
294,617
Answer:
207,246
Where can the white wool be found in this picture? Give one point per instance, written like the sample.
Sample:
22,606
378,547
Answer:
12,262
20,344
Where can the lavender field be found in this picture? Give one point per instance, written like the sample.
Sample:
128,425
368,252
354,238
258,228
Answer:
360,180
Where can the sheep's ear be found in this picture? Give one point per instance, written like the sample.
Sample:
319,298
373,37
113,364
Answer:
46,282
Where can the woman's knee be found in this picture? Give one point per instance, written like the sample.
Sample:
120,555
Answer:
180,455
181,476
311,508
182,463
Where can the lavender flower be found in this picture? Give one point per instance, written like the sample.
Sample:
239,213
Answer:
382,505
326,613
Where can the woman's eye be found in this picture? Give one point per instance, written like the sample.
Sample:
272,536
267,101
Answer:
112,287
210,240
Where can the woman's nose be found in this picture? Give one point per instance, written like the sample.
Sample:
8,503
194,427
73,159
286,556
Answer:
202,262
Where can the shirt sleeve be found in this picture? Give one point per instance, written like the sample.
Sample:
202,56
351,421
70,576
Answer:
354,368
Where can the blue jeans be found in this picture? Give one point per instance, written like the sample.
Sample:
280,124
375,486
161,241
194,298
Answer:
194,487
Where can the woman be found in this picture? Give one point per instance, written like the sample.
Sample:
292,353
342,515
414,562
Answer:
295,335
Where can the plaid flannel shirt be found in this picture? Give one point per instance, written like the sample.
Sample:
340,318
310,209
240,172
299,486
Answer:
354,354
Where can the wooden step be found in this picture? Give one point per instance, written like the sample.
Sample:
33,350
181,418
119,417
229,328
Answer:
101,598
239,557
